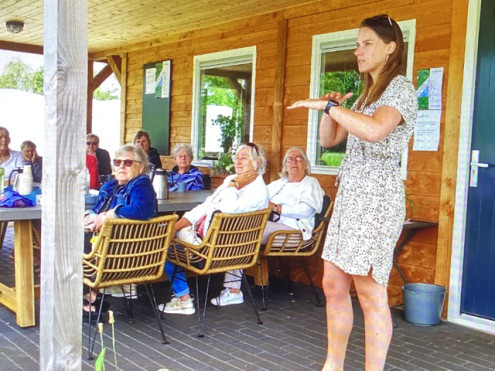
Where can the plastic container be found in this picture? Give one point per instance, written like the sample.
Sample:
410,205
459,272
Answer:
423,303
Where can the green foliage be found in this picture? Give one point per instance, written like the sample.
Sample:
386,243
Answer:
99,94
18,75
332,158
225,164
230,128
343,82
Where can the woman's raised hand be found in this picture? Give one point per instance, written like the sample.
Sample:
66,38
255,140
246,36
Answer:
320,104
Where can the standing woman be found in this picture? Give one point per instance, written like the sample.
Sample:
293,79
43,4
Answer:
370,204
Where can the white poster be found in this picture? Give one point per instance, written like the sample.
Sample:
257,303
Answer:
150,81
427,130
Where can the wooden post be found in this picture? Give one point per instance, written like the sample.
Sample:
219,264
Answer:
123,97
451,143
278,99
66,65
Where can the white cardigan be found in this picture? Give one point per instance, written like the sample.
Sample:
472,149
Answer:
300,202
251,197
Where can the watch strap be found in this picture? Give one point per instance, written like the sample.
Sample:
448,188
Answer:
331,103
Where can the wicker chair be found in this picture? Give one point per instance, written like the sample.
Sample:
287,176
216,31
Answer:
291,244
232,242
128,251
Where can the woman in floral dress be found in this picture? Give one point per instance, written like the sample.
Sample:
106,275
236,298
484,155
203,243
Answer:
370,204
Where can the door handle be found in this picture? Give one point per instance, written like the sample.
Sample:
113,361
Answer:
475,165
481,164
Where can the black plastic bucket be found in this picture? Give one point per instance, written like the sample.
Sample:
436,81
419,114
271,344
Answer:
423,303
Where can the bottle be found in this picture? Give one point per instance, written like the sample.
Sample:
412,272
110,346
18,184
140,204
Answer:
26,179
2,173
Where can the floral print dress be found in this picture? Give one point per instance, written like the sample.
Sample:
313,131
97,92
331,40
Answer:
369,208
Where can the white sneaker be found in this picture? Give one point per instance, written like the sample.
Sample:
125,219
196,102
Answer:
227,298
130,291
176,306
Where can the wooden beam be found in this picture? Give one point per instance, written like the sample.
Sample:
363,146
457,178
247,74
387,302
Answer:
66,80
123,98
104,73
451,142
115,63
278,99
27,48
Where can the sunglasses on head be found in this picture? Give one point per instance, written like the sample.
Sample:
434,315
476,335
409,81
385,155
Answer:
253,146
127,163
91,143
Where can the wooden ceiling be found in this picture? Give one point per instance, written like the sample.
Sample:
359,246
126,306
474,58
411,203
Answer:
118,24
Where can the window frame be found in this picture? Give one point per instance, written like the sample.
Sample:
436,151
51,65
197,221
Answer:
216,60
337,41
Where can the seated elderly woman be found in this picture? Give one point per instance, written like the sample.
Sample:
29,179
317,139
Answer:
29,153
130,195
184,172
9,159
241,192
295,197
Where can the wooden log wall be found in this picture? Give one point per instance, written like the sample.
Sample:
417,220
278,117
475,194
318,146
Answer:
432,49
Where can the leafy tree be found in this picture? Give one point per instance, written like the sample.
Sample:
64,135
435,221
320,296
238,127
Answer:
19,75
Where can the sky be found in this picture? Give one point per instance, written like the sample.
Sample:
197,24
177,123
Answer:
26,124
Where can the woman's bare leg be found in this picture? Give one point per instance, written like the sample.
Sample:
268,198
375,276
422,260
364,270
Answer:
336,285
377,320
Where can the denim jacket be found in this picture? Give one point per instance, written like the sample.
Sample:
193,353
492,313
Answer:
135,200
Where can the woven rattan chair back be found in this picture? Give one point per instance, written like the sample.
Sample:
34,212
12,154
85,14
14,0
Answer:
128,251
291,243
232,242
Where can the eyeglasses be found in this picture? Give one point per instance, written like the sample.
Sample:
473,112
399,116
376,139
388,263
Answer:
127,163
91,143
291,159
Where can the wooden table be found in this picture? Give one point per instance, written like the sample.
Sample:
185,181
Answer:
182,201
20,299
411,227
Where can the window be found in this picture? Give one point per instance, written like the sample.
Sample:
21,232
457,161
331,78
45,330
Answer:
223,92
334,67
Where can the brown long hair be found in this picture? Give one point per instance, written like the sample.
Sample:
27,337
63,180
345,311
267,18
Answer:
388,30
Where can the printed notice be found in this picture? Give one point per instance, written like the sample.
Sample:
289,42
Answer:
427,131
150,81
429,90
165,93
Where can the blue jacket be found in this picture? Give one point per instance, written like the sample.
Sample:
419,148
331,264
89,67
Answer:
135,200
193,179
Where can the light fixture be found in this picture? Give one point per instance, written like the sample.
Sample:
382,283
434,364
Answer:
14,26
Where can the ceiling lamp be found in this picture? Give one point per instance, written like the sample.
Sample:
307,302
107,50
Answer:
14,26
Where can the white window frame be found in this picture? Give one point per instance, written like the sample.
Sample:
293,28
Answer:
217,60
337,41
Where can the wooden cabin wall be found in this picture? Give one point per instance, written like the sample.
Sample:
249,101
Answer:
432,49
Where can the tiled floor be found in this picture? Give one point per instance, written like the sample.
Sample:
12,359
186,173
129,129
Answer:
292,337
